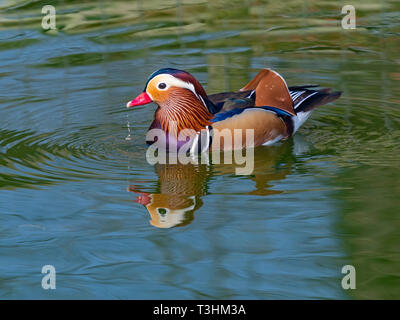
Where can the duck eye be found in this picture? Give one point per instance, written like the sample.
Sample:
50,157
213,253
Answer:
162,85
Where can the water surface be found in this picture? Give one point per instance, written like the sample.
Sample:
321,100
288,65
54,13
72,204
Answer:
76,194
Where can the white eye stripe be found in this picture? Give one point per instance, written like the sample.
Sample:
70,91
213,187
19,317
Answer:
171,81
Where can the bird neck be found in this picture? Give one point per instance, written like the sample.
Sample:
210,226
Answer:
183,113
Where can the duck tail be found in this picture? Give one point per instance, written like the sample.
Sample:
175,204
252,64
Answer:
306,100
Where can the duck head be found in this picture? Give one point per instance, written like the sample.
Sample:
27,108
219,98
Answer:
181,100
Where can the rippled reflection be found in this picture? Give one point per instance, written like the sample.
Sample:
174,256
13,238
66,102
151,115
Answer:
178,195
180,187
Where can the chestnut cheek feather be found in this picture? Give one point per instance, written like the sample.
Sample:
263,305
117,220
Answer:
185,109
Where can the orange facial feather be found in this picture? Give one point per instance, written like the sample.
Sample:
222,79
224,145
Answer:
181,108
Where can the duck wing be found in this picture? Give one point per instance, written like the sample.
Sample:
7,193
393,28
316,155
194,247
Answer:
267,88
225,101
268,91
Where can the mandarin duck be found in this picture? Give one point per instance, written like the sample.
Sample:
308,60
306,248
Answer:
266,104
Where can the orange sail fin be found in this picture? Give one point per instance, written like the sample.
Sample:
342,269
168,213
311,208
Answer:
271,90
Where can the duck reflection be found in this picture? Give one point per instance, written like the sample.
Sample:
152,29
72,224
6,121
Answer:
181,187
178,195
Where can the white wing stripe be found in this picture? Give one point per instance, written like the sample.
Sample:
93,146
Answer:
300,102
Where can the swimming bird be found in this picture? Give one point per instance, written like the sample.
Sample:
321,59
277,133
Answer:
266,105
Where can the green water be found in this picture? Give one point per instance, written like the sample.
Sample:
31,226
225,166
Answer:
72,187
